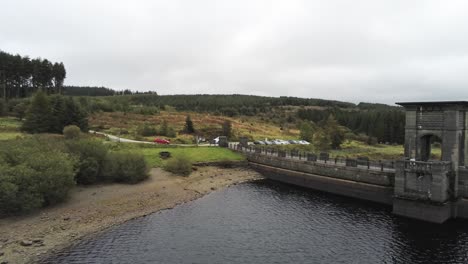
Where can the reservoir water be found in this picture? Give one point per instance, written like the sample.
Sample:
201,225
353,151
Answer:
269,222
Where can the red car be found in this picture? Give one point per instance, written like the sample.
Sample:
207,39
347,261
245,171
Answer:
162,141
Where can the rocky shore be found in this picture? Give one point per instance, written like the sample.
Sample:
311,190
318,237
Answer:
29,238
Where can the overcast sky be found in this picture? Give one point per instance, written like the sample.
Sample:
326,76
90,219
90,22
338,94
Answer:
377,51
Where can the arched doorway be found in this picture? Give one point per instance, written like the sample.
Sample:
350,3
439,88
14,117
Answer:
430,147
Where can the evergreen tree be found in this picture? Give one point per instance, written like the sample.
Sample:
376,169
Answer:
188,128
59,114
38,116
21,76
45,77
307,131
321,140
227,128
164,129
87,91
59,73
334,131
75,115
51,115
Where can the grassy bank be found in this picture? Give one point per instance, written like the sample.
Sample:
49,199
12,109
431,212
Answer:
195,154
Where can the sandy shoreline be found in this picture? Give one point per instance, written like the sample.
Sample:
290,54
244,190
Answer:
91,209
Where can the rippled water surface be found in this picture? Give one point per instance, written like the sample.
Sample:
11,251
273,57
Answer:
268,222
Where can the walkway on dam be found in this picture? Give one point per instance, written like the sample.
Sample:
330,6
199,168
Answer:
385,166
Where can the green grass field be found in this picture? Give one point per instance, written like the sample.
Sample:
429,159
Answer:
10,135
196,154
9,128
9,123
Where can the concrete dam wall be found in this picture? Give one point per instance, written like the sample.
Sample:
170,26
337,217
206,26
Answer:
371,184
376,186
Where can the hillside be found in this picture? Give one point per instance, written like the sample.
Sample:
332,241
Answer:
383,122
258,117
206,125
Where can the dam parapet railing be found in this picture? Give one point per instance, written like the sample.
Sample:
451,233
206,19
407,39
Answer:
323,158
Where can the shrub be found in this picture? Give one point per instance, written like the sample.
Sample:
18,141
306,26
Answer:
372,141
71,132
147,110
33,175
88,171
91,155
171,132
166,130
180,164
43,143
19,110
125,167
147,131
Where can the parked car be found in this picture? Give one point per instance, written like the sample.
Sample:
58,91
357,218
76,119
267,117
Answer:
259,142
303,142
280,142
293,141
267,142
162,141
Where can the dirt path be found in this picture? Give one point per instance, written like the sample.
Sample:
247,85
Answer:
90,209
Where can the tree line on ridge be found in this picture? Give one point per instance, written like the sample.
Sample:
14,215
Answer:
21,76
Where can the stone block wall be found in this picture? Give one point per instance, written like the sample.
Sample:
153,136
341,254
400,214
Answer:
364,191
330,170
423,180
463,182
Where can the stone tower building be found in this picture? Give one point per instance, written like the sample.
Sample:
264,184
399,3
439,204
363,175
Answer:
426,188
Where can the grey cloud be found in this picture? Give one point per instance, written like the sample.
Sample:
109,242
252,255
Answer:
381,51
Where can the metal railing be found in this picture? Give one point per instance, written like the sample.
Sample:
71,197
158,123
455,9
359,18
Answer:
323,157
